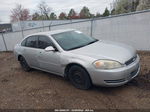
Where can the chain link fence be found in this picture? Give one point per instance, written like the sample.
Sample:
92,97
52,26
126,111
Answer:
132,28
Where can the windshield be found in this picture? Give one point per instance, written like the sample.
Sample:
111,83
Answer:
73,40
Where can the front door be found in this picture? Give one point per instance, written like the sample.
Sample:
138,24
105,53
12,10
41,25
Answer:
49,61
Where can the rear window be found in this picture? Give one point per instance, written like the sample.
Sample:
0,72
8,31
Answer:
31,41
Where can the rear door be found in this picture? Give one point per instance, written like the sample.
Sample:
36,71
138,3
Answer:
49,61
31,50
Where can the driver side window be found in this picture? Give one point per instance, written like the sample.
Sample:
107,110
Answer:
44,42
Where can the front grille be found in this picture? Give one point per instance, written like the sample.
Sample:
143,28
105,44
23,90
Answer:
131,60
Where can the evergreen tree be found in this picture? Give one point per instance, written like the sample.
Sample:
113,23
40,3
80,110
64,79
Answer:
53,16
72,14
113,12
85,13
106,13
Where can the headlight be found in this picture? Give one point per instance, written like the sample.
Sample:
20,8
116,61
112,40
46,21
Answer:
107,64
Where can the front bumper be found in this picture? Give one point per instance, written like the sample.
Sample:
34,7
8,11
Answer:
115,77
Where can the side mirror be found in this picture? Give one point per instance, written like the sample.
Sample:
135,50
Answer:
49,48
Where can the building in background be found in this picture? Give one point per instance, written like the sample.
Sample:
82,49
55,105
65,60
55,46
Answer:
5,28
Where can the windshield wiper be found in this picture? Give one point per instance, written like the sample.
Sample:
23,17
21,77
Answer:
92,42
76,47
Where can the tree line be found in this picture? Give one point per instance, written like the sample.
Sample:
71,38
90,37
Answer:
44,12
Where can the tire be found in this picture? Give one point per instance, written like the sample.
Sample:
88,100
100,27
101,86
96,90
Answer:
24,64
79,77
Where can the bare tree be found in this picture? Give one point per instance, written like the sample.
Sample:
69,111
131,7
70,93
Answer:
124,6
143,5
44,10
19,13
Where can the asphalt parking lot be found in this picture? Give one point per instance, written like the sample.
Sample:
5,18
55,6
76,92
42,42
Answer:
41,90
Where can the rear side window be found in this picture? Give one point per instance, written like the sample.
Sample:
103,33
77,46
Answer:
32,41
44,42
23,43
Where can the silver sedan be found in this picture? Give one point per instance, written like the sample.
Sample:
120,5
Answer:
81,59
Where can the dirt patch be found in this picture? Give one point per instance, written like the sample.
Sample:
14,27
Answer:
41,90
142,81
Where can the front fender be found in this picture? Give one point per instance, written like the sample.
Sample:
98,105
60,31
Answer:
80,60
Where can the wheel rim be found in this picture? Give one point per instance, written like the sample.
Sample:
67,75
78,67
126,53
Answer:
78,78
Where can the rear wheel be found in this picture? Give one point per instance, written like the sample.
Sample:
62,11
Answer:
79,77
24,64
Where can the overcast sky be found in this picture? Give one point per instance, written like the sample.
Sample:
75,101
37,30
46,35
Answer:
56,5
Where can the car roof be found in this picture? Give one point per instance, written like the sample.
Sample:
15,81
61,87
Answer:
52,32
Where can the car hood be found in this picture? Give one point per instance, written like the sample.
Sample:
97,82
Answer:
107,50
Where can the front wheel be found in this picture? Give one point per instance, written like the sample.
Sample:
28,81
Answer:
79,77
24,64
